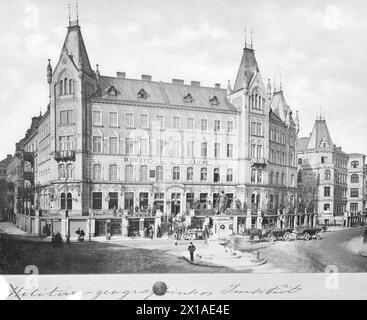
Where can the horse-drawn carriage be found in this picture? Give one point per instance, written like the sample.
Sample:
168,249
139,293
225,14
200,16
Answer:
287,234
305,233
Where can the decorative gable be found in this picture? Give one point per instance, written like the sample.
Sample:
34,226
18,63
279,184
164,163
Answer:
214,101
188,98
142,94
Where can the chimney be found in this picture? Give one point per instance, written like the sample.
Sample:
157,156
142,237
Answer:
178,81
217,86
195,83
121,75
145,77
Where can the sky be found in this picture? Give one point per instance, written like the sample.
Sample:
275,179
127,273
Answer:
318,49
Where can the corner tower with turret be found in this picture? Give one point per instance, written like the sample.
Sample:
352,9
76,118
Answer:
71,82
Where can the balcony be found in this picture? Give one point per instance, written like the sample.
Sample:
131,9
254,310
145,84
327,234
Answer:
65,156
259,162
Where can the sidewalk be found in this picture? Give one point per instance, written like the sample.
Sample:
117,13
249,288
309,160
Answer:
11,230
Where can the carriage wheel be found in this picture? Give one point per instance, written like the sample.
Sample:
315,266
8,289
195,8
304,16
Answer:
307,236
271,238
287,236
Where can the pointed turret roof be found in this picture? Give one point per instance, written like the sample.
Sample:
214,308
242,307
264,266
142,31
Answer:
279,105
75,47
248,68
320,136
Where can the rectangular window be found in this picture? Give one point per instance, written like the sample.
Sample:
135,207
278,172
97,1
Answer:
176,123
300,161
97,200
160,147
253,128
144,121
327,207
130,120
113,119
327,192
97,144
259,129
204,149
354,192
129,201
272,135
230,127
354,207
113,145
190,148
176,146
323,159
160,122
143,201
129,146
190,199
229,150
97,118
70,114
113,204
204,125
63,117
190,123
216,150
216,125
144,147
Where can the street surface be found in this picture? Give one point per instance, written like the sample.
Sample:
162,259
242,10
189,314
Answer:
18,250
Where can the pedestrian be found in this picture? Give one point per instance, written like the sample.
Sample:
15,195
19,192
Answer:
191,249
82,234
151,232
159,232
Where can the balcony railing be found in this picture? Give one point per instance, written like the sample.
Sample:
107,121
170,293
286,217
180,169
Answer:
65,156
259,162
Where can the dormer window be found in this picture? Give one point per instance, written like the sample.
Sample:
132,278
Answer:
112,92
188,98
214,101
142,94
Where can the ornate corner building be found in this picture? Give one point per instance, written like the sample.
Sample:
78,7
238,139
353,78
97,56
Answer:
137,152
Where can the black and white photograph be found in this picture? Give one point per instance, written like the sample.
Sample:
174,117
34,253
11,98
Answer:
203,139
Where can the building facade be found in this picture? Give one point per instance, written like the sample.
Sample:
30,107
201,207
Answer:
4,187
331,182
134,152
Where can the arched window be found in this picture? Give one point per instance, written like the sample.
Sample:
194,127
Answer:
283,179
176,173
190,174
327,174
61,88
97,172
62,173
271,178
216,175
204,174
143,173
354,178
354,164
259,176
229,175
277,178
69,202
159,173
253,149
69,171
292,180
66,86
259,150
113,172
97,143
63,200
71,86
253,175
129,173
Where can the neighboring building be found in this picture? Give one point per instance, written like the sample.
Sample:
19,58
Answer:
135,152
20,176
3,187
331,182
356,193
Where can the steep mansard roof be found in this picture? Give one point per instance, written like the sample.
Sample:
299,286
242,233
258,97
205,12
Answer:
162,93
248,68
320,134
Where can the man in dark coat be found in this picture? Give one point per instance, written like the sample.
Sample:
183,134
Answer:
191,249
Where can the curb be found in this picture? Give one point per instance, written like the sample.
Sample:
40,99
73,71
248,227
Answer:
206,264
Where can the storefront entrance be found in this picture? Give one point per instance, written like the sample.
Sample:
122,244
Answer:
175,204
